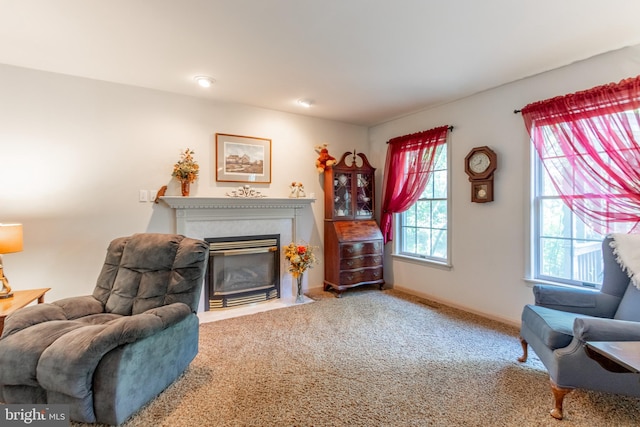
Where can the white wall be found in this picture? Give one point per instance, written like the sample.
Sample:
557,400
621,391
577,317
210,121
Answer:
489,240
75,153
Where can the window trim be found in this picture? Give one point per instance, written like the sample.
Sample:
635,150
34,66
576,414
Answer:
439,263
530,216
532,251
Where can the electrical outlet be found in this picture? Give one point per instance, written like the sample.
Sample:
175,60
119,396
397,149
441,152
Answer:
144,196
152,195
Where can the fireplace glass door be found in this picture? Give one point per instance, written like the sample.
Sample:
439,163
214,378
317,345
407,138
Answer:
242,270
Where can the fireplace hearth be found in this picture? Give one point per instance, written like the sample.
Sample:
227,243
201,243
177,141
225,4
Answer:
242,270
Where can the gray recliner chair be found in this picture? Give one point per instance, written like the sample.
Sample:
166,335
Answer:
563,319
108,354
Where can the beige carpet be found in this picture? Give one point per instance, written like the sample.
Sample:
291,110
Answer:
370,358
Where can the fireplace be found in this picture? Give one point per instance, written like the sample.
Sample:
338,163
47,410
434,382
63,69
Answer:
212,217
242,270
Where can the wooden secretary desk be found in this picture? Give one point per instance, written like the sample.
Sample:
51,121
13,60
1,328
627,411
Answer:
353,248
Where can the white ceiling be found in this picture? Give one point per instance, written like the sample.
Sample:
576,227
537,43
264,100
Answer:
360,61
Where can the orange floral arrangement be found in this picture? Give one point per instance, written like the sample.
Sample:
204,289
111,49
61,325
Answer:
300,257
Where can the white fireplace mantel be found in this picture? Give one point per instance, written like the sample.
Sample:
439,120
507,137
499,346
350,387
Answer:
178,202
198,209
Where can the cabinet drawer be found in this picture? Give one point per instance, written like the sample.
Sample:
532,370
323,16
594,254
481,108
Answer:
360,261
366,275
349,250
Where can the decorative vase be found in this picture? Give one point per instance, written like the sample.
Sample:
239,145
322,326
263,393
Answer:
299,296
185,187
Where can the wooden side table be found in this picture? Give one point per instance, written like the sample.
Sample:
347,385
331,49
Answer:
19,300
615,356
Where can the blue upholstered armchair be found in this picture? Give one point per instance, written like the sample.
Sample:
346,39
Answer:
563,319
107,354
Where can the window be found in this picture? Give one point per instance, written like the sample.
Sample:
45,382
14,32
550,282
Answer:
423,228
565,248
585,178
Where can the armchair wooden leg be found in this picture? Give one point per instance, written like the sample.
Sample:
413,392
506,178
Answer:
558,394
525,351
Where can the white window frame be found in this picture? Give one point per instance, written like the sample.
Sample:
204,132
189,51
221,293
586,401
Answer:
534,264
438,262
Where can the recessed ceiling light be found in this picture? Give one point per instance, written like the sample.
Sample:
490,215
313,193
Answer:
204,81
306,103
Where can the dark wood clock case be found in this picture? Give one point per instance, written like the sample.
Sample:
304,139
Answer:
481,182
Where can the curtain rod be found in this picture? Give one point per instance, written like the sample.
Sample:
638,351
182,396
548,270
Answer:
450,130
517,111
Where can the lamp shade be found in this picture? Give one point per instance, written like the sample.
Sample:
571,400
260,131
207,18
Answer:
10,238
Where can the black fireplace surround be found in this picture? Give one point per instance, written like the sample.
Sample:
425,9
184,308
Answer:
242,270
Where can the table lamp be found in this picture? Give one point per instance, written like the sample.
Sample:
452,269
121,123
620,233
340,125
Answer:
10,241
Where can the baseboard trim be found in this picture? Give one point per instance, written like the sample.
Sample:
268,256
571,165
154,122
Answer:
452,304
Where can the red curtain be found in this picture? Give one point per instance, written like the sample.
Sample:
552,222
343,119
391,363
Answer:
589,144
406,172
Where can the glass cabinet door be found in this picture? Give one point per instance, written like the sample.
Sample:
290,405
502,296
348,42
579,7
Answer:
364,199
342,195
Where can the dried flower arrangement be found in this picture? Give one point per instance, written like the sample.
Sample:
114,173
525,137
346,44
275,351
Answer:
186,169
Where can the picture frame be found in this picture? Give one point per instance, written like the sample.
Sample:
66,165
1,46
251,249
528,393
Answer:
243,159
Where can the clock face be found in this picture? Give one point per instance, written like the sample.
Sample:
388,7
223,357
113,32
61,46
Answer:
479,162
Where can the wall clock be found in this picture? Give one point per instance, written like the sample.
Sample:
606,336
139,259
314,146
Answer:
480,164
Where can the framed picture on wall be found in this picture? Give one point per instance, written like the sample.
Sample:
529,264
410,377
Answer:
243,159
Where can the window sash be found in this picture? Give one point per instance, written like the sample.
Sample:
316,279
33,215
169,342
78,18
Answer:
428,237
561,235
